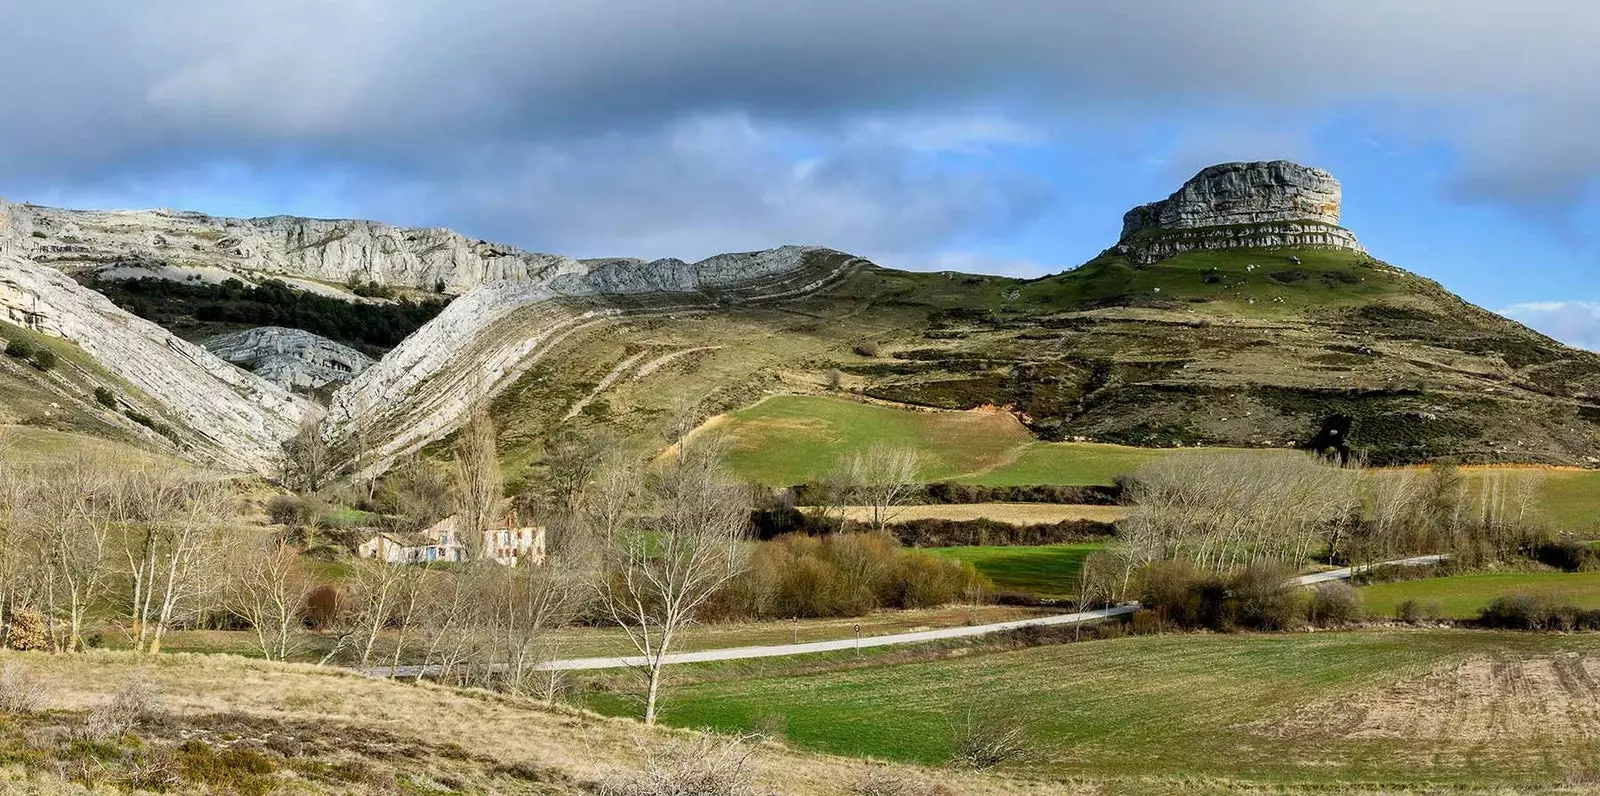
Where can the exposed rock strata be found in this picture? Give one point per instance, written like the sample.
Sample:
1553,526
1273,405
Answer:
487,338
329,253
292,358
227,417
1240,205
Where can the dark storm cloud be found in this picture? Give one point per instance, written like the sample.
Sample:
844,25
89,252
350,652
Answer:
551,116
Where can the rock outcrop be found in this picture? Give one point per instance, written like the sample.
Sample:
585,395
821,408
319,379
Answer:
1240,205
220,414
309,253
292,358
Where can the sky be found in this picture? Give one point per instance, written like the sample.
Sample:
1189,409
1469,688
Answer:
1003,136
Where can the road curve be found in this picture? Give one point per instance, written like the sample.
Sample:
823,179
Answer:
920,636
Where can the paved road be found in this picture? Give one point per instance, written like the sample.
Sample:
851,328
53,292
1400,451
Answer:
783,650
1348,572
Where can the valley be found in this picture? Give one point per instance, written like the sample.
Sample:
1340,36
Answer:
241,457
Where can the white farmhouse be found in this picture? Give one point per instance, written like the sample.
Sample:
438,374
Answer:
510,543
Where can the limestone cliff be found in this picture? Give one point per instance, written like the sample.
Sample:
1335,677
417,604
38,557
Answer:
1240,205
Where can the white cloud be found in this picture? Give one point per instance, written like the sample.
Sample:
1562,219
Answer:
1576,323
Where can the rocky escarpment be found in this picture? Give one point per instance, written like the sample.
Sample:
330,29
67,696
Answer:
1240,205
220,414
314,254
292,358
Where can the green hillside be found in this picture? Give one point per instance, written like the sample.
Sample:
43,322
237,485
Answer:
1223,354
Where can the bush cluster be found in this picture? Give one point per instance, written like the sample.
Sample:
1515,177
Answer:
273,303
771,523
1534,612
952,533
1414,612
1567,554
38,356
953,493
964,494
1260,596
848,574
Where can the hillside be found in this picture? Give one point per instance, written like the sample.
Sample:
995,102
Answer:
1236,312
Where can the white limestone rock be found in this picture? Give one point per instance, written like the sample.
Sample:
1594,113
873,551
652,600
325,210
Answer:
292,358
228,417
1240,205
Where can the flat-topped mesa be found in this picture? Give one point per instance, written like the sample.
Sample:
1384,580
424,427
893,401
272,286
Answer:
1266,204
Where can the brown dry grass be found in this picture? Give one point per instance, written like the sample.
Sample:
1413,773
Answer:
199,693
1502,698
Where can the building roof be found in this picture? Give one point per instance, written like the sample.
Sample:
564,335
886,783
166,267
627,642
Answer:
405,539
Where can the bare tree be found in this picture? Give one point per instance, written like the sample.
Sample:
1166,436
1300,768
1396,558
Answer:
71,519
268,589
378,591
306,459
478,485
658,570
1225,510
883,478
173,531
522,607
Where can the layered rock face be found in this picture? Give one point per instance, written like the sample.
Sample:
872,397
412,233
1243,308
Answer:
514,305
292,358
1240,205
222,415
486,339
309,253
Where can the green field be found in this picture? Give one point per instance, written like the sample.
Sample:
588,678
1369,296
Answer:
1462,596
1285,708
790,439
1050,571
1571,500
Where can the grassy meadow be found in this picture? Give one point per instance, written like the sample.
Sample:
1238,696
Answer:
1391,707
1049,571
1463,596
790,439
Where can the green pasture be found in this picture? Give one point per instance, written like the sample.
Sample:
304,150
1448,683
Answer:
1049,571
1463,596
1189,706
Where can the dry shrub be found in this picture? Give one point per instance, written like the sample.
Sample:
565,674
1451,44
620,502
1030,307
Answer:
982,741
882,782
133,703
848,574
20,692
1417,611
706,766
28,632
1335,603
1262,596
294,511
